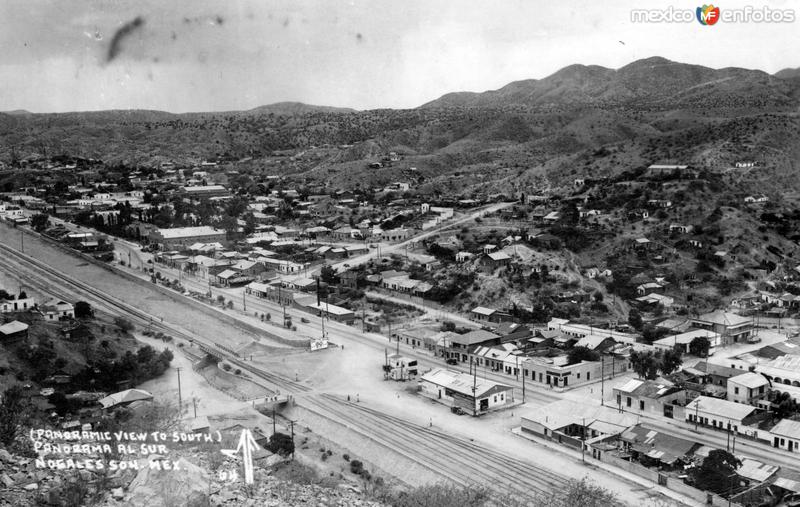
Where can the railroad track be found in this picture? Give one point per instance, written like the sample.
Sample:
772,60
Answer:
71,285
448,456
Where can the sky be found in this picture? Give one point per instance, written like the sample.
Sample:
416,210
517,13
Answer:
200,55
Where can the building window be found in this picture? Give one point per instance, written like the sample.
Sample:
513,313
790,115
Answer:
588,376
579,376
641,404
735,390
495,398
629,401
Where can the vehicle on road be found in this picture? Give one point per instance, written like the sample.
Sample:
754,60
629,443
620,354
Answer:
451,361
304,320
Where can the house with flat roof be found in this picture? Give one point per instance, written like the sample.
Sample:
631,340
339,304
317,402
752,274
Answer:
473,395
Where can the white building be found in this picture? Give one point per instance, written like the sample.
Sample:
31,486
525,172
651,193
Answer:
470,394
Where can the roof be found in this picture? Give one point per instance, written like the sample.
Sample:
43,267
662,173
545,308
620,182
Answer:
228,273
788,484
204,188
482,310
188,232
787,428
591,341
723,318
716,369
12,327
688,337
647,388
562,413
750,380
499,256
125,397
657,445
462,383
721,408
474,337
756,470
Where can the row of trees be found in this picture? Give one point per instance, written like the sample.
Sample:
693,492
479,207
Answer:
648,364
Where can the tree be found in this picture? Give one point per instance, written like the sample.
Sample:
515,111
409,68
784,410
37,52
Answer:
635,319
716,471
83,310
13,413
123,324
670,361
645,364
699,346
40,221
328,275
281,443
578,354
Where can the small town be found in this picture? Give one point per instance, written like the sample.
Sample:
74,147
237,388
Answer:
565,292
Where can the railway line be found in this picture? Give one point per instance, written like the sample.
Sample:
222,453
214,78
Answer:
448,457
66,286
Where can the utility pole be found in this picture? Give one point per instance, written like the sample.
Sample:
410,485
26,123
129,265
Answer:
22,242
180,402
194,402
474,389
273,420
583,441
244,301
292,425
523,384
602,380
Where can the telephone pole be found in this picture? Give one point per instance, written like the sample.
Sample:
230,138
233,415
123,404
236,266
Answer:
291,423
180,402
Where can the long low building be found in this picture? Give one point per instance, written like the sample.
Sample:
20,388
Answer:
334,312
184,237
472,395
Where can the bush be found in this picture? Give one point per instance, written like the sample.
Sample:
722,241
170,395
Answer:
238,371
356,467
346,457
281,443
83,310
123,324
226,367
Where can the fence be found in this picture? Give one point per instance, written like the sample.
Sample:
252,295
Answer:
671,483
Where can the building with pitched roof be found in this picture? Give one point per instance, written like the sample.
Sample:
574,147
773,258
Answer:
748,388
721,414
473,395
731,327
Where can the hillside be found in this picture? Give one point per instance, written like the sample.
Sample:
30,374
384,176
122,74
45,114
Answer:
582,121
